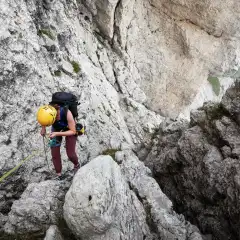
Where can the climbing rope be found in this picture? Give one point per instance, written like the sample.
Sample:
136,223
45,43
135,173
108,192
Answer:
36,152
45,151
5,175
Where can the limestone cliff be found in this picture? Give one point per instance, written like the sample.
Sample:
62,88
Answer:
131,63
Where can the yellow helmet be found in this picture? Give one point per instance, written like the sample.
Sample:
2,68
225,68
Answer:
46,115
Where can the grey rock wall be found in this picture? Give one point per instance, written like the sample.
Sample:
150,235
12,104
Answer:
179,45
51,46
128,62
105,52
198,167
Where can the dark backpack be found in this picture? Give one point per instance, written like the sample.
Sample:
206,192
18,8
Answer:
66,100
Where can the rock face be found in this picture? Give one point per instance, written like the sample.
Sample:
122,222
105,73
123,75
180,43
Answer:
160,217
101,205
106,51
129,62
50,46
179,44
39,207
3,220
53,233
198,167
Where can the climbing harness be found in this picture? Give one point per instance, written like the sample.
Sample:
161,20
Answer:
54,142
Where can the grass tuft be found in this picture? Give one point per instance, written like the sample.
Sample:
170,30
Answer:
111,152
46,32
58,73
214,81
75,66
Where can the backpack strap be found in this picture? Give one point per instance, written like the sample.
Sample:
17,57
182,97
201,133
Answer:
63,112
66,108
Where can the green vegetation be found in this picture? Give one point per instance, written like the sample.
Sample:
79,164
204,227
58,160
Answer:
46,32
58,73
214,81
111,152
75,66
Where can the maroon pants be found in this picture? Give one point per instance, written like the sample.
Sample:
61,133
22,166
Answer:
71,153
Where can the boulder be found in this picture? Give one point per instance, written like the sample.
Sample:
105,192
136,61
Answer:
111,201
39,207
100,205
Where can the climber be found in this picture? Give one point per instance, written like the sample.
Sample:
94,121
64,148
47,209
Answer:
63,124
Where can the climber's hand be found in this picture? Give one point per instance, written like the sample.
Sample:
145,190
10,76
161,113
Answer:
53,134
43,131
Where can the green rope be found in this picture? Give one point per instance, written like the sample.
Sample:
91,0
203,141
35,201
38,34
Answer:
5,175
